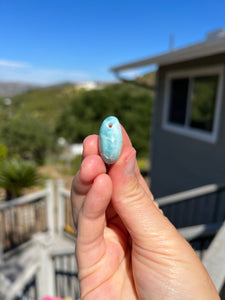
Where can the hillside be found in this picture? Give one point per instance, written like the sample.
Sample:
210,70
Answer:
41,115
148,79
10,89
45,104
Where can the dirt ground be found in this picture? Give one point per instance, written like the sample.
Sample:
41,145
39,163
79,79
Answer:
54,173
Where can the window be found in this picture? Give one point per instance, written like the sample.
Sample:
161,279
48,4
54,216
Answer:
192,103
178,100
203,102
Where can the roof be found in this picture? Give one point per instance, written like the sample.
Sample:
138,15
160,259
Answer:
214,44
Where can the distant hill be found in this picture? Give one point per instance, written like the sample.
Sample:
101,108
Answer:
47,103
10,89
44,103
92,85
148,79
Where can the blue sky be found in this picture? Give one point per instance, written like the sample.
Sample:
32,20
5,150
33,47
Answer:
47,41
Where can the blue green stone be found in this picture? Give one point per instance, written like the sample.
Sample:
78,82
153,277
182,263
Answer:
110,140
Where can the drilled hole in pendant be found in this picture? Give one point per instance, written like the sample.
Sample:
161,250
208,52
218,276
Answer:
110,125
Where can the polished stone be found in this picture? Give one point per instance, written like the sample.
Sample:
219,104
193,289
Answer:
110,139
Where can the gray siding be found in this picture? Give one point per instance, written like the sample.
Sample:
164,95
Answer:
179,162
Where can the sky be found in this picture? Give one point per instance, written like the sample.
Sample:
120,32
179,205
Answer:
47,42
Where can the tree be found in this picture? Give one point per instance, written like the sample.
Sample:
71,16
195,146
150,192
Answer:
3,152
26,137
131,105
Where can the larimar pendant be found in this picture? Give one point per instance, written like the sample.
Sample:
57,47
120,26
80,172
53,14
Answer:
110,140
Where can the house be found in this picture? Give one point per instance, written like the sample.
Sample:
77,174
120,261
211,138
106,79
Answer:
189,115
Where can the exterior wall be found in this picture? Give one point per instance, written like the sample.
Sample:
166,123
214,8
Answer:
179,162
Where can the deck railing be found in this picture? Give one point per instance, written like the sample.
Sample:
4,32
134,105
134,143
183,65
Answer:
198,213
25,216
65,220
25,288
66,275
200,236
29,291
20,218
204,205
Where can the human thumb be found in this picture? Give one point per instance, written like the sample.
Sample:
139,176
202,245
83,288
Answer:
158,250
134,203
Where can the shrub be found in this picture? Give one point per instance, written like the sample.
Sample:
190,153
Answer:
75,163
26,137
3,152
132,106
15,175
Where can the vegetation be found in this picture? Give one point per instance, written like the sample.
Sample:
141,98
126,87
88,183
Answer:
32,122
132,105
3,153
73,114
26,137
44,104
15,175
148,79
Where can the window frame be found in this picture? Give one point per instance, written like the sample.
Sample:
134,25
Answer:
185,129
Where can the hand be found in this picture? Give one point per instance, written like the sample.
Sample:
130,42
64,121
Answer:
126,248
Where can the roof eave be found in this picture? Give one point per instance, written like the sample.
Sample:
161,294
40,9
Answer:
206,48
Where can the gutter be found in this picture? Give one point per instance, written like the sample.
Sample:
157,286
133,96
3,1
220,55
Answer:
214,44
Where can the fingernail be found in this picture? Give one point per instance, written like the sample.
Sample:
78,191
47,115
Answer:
129,167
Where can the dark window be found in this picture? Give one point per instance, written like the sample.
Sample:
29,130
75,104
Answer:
178,100
203,102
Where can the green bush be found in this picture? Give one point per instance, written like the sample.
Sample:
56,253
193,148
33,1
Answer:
132,105
75,164
3,152
26,137
15,175
143,164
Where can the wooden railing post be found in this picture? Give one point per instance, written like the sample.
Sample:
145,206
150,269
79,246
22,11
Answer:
60,207
50,206
45,275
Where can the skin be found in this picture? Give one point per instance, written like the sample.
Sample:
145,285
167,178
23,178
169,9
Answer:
126,248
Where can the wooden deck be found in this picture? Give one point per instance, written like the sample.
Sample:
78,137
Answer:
43,258
34,259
